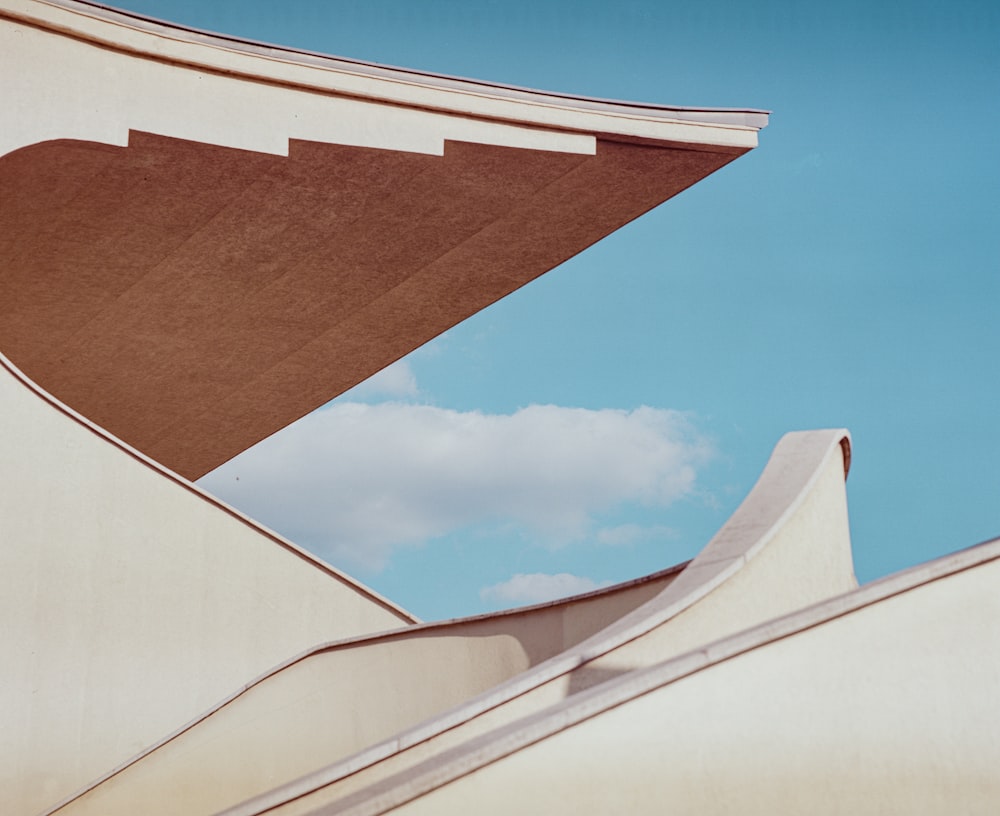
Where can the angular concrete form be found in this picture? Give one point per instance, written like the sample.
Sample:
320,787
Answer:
201,240
342,697
882,700
786,546
235,234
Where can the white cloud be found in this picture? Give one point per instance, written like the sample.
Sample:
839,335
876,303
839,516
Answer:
537,587
355,481
395,381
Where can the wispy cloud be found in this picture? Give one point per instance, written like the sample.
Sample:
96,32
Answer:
396,381
355,481
627,534
537,587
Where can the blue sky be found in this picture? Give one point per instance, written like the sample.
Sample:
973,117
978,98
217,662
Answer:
845,273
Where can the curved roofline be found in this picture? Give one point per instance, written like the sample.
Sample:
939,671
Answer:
752,117
411,88
420,629
790,475
179,99
437,771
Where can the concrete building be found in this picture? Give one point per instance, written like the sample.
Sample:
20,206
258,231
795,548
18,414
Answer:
203,239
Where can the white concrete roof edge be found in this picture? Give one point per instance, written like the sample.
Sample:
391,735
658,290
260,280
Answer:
478,752
124,31
819,445
176,478
421,627
822,444
748,117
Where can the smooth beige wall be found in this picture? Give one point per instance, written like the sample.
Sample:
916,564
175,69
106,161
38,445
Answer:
883,701
344,698
806,560
130,601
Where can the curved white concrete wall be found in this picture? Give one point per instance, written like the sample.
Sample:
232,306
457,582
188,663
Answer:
130,601
883,700
787,545
341,698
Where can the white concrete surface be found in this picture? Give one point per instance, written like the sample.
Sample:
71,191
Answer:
130,601
882,700
340,698
222,91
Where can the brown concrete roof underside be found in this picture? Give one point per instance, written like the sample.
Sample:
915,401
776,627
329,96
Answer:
194,299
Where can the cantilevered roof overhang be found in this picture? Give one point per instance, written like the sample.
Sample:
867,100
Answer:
204,239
